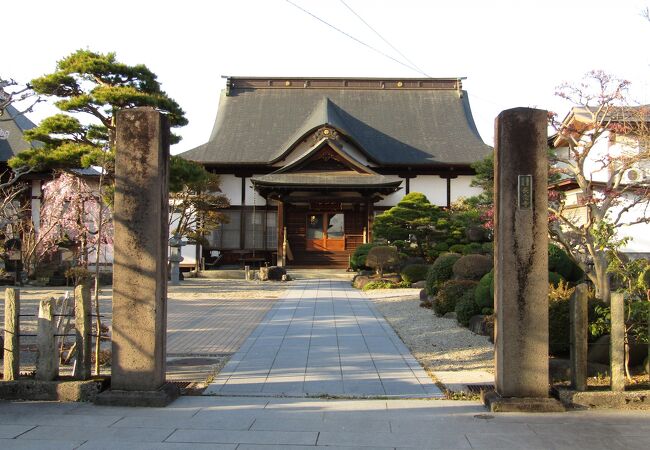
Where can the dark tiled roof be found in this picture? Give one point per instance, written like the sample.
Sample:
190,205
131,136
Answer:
409,126
14,143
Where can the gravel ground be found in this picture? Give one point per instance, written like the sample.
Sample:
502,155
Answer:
438,344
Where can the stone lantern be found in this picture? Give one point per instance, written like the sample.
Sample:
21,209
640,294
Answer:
175,258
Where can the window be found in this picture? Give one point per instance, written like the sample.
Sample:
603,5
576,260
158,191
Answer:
254,231
271,230
228,234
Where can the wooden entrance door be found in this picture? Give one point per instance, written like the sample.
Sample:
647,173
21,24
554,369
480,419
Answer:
325,232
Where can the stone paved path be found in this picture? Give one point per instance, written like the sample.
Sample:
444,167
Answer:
242,423
323,338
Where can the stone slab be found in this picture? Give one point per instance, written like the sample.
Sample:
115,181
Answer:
62,391
167,393
495,403
604,399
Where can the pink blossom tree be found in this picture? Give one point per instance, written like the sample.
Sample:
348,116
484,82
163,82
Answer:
73,215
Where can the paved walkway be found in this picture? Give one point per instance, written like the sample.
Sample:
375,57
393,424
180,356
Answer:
246,423
323,338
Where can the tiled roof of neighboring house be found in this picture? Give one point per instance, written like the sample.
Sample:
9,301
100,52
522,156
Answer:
11,143
410,122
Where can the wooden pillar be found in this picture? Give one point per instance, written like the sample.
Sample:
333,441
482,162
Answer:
369,219
280,231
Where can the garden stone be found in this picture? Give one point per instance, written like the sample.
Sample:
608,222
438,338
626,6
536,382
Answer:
450,315
599,351
360,281
423,295
419,284
478,325
275,273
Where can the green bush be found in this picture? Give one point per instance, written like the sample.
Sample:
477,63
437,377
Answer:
440,271
385,284
449,294
560,262
414,272
558,318
358,258
472,267
488,248
555,279
473,248
457,248
441,247
484,294
466,308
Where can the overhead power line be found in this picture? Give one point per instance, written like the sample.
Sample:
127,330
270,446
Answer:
355,39
385,40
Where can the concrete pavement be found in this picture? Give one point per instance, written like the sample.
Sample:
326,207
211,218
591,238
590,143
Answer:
324,338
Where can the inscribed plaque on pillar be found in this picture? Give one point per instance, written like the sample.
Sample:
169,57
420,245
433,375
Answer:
525,191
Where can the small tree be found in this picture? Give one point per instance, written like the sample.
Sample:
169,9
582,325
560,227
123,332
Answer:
195,200
596,144
414,217
382,257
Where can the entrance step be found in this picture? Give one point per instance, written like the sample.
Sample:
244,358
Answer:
303,273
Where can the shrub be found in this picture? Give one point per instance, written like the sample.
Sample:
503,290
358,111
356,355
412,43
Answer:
358,258
466,308
488,248
457,248
441,247
382,257
484,294
555,279
440,271
472,267
385,284
558,318
276,272
560,262
414,272
449,294
473,248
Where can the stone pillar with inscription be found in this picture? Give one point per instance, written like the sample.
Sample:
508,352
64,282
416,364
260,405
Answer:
521,263
140,266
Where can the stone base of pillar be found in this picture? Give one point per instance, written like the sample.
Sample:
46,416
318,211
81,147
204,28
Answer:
495,403
167,393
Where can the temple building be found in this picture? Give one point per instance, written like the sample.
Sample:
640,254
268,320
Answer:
308,162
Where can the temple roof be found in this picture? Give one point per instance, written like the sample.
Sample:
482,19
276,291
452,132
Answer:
408,122
11,143
338,180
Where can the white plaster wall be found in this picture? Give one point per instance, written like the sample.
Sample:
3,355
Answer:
395,197
231,188
639,233
432,186
259,200
460,187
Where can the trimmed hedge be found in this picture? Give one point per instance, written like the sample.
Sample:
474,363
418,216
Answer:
466,308
414,272
560,262
472,267
484,293
449,294
440,271
473,248
358,258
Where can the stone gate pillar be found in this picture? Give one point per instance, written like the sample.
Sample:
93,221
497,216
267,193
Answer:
140,263
521,262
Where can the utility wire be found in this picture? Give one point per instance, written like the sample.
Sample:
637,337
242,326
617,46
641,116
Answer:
355,39
384,39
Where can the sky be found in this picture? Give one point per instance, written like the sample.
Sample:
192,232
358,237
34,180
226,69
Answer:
513,53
